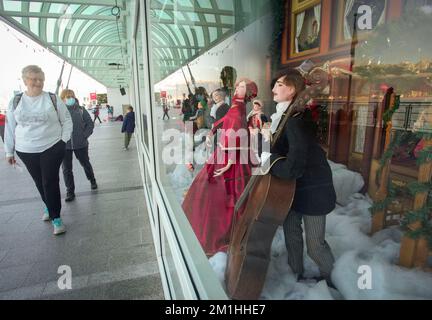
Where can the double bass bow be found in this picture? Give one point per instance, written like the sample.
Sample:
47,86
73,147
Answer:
269,201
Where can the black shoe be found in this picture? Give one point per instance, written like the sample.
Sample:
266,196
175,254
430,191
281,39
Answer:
70,196
300,277
94,185
330,284
327,280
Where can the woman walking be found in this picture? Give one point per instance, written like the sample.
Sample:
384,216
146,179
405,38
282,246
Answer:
38,125
78,144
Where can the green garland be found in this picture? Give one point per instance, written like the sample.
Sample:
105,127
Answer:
380,205
424,155
424,135
419,187
425,229
393,191
387,116
388,154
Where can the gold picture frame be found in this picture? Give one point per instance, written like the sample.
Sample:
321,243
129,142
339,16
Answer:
341,38
301,5
309,38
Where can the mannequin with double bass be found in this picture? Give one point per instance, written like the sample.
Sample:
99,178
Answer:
296,186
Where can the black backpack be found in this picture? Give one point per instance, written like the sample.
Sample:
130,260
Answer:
18,97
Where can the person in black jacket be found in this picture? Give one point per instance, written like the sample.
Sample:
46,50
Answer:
128,126
298,156
82,129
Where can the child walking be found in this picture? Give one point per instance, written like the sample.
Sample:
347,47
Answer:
128,126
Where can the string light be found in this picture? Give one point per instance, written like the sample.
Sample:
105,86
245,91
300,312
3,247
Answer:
222,51
10,31
217,53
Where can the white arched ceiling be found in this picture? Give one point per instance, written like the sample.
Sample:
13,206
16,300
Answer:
87,35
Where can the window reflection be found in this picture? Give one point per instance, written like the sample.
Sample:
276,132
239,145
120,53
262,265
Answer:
141,88
370,120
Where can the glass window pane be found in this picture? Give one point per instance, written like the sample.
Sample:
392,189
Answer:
179,16
190,36
57,8
184,3
227,19
225,4
213,34
205,4
50,27
171,268
193,17
162,15
92,9
210,18
182,121
34,25
11,5
379,61
76,26
35,6
200,36
141,89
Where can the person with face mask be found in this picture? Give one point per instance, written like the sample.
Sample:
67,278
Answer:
38,125
82,129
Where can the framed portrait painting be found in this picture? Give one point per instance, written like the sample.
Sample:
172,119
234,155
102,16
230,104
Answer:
305,27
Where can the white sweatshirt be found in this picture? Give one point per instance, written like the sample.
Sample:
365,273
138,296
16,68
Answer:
35,126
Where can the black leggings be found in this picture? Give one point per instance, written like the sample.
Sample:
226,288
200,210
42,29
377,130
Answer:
44,168
96,118
83,158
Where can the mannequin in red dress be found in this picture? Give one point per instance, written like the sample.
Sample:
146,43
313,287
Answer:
255,121
256,118
209,203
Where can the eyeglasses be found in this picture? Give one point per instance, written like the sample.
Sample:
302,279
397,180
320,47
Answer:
35,79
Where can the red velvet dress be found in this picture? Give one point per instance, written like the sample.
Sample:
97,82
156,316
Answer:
255,121
209,203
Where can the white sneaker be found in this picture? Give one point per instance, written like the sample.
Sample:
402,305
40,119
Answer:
46,216
59,227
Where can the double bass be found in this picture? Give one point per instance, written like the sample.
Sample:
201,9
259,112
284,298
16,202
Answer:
269,200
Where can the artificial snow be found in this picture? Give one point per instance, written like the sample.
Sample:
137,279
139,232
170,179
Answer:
181,178
346,182
347,228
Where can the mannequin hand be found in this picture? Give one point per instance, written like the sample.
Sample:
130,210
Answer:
221,171
209,142
266,134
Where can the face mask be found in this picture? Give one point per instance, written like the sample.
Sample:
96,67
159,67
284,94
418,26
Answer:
70,102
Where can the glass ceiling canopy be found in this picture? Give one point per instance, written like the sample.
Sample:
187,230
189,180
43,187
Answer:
93,35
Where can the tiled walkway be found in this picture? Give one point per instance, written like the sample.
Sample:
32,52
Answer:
108,243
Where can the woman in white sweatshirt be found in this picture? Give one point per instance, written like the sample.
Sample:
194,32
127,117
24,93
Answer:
38,125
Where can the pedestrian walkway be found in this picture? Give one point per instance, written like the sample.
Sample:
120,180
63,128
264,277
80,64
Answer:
108,244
